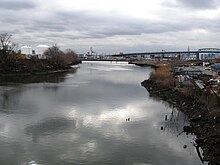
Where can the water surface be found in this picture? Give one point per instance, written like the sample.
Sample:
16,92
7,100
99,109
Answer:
80,118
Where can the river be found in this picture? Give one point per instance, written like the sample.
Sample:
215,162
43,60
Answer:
81,117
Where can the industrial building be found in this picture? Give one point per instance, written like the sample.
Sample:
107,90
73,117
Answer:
208,53
37,51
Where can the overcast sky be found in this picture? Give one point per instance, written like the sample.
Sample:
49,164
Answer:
112,26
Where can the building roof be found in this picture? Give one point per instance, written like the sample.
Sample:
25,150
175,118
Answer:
26,47
42,46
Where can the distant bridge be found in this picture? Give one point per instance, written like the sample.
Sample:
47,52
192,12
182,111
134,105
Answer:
164,52
201,54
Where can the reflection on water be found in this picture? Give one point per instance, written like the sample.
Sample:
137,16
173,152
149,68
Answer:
8,98
81,119
175,121
48,127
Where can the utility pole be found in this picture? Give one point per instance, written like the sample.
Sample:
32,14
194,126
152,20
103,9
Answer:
188,51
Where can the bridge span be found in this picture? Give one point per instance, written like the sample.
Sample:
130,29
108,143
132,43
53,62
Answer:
199,54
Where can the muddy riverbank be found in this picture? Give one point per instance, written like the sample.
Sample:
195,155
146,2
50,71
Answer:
202,109
33,67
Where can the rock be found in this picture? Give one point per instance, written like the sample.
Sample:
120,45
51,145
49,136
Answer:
165,117
196,119
199,141
187,129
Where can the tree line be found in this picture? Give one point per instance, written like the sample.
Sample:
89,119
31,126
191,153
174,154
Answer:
55,58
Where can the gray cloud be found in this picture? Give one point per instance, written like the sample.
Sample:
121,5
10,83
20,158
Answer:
17,5
199,4
107,26
84,28
45,26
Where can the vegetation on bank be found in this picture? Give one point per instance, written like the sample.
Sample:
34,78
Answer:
13,62
201,106
162,75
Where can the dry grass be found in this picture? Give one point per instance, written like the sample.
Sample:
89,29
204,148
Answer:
162,75
161,72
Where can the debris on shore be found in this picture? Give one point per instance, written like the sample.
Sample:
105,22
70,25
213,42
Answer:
202,106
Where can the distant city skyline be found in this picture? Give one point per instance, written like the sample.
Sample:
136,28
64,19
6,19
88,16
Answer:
113,26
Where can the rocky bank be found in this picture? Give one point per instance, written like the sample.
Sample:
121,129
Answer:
203,111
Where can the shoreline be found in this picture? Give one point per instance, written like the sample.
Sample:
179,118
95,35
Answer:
204,119
37,73
34,67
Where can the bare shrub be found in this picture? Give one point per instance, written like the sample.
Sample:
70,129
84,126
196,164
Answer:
70,56
162,75
59,58
55,56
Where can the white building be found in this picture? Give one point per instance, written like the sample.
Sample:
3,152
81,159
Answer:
40,49
26,49
37,52
209,53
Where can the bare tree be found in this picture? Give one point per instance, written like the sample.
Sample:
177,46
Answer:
5,40
60,58
53,51
70,56
55,55
6,45
176,61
